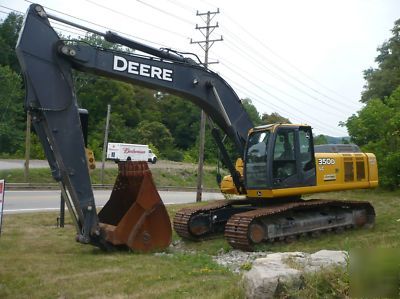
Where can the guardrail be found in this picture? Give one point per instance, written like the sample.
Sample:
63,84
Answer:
54,186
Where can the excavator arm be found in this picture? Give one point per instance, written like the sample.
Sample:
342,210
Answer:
47,63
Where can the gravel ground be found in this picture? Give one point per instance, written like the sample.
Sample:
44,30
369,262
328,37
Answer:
237,260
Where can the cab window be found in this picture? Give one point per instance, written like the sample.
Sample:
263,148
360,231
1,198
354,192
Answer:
306,158
284,162
256,160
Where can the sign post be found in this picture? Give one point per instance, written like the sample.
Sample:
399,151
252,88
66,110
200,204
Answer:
2,188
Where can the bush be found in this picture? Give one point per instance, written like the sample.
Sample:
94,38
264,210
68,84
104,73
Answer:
172,154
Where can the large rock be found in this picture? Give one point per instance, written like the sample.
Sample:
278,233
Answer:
267,274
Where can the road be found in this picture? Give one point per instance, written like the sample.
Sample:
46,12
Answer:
49,200
19,164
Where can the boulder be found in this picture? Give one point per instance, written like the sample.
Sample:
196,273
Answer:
269,273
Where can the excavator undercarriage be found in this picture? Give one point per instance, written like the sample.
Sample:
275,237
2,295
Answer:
245,223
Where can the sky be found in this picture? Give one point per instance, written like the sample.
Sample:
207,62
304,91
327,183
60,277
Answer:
301,59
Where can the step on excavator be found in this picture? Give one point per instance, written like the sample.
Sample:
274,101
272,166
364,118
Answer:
276,164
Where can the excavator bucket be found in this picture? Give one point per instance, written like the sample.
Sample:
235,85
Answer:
135,216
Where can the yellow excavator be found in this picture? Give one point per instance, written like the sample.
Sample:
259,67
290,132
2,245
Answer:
280,165
276,164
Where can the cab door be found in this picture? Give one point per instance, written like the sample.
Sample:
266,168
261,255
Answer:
293,161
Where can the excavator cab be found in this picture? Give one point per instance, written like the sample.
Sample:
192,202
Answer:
277,157
280,156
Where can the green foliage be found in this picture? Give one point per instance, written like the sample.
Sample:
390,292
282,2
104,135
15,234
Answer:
154,132
382,81
376,128
96,40
12,116
154,149
252,112
333,282
320,139
9,30
182,118
36,150
173,154
274,118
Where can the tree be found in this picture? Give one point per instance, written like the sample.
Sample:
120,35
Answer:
153,132
12,116
320,139
252,111
382,81
376,128
182,118
274,118
9,30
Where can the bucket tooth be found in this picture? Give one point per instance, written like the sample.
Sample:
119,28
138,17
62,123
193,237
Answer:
135,215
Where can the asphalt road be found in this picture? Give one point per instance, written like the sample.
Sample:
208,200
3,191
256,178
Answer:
49,200
19,164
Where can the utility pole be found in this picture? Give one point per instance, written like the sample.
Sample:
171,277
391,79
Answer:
205,45
27,146
105,143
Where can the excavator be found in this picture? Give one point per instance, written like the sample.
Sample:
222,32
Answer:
276,164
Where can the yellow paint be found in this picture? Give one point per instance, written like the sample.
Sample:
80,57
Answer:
90,159
334,172
227,185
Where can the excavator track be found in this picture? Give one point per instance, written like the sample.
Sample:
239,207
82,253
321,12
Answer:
289,220
201,223
245,223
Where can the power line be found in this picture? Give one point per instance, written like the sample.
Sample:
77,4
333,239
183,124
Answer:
165,12
81,20
286,113
258,63
101,26
276,66
75,32
20,12
263,102
313,97
182,5
286,61
208,3
66,30
248,75
136,19
280,76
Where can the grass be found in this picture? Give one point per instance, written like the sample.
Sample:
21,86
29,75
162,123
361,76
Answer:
39,260
332,282
163,177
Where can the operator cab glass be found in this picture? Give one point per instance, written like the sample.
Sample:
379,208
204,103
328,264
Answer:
284,163
283,158
256,159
